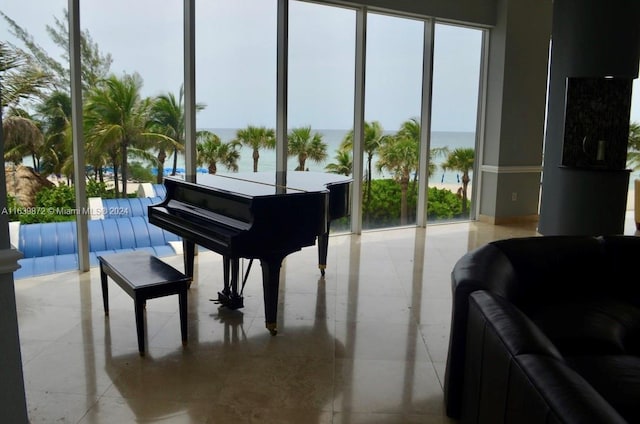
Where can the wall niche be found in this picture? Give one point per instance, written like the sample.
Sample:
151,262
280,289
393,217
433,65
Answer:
596,123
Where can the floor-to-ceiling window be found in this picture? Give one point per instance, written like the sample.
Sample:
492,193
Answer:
144,82
393,76
236,94
36,114
454,117
321,88
236,84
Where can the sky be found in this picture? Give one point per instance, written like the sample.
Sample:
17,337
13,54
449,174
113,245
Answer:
236,60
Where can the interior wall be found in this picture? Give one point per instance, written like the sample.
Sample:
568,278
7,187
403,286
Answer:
515,110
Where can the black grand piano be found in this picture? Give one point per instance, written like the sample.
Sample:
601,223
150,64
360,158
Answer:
258,215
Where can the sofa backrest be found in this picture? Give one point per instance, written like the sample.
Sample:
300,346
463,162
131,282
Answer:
552,268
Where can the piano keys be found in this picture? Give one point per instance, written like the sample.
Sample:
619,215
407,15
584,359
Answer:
254,216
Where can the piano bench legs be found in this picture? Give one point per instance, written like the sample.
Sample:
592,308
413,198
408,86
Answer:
143,276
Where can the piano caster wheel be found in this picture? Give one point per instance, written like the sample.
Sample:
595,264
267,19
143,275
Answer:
322,268
271,326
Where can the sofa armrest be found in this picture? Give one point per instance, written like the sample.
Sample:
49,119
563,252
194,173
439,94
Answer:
514,373
485,268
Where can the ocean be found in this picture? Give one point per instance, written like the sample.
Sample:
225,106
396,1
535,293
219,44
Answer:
333,138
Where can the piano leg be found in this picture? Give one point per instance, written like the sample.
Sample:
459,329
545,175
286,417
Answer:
189,250
226,266
323,248
229,295
271,286
235,272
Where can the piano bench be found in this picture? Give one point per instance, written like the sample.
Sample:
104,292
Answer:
143,276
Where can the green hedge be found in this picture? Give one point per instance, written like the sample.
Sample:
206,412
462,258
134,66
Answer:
383,209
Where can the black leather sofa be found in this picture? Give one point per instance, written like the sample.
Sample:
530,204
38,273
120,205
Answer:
546,330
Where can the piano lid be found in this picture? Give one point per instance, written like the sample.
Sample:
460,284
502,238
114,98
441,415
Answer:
264,183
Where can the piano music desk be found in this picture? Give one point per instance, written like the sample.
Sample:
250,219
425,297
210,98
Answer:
144,276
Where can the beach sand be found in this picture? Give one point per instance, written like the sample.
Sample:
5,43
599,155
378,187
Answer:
453,187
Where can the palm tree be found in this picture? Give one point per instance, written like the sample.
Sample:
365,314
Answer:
55,121
94,64
21,137
343,164
306,146
633,157
21,78
167,116
411,129
461,159
374,137
212,150
256,138
399,155
117,119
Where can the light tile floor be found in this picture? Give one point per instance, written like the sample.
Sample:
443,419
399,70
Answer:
366,344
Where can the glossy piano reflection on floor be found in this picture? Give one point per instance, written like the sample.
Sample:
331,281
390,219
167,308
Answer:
258,215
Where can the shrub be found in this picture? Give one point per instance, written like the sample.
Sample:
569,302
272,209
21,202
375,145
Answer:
99,189
55,204
443,204
384,206
140,173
